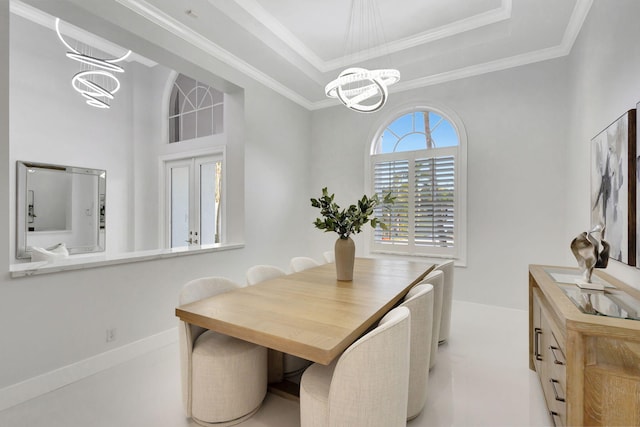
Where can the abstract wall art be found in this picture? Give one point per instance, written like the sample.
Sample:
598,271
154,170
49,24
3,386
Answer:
613,186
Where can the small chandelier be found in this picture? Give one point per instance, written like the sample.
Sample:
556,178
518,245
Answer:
358,88
96,81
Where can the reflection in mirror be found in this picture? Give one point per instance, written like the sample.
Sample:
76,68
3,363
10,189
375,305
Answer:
59,205
143,130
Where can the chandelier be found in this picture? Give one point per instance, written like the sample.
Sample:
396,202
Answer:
96,81
358,88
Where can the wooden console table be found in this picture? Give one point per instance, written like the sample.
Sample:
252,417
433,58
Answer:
588,364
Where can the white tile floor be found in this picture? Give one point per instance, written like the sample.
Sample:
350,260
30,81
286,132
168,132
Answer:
481,378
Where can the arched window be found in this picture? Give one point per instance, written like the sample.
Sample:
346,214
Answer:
195,110
418,157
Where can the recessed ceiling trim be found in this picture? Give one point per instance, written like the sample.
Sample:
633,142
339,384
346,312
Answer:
253,8
579,14
175,27
156,16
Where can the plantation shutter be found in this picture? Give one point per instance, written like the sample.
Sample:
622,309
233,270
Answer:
393,176
434,202
423,218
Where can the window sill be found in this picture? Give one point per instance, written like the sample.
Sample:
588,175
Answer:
75,262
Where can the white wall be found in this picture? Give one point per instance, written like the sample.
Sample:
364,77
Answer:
50,321
516,124
604,84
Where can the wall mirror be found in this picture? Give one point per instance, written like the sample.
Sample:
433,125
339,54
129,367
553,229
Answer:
133,151
59,204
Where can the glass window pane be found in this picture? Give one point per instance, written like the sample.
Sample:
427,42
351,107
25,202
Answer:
179,206
389,141
189,124
191,102
218,97
204,97
418,121
445,135
174,129
412,142
210,174
205,122
402,125
186,85
175,102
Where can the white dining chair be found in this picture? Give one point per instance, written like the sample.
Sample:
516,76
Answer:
329,256
224,379
435,279
301,263
282,364
367,386
447,300
260,273
419,301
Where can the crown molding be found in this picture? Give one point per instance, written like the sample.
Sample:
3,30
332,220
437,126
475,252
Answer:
175,27
253,8
180,30
578,16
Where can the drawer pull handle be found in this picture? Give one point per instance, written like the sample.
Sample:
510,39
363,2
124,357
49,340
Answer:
536,343
555,391
554,414
555,358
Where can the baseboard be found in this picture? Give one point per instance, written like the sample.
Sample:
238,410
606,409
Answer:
36,386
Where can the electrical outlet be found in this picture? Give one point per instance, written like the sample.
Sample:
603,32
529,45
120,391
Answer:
111,334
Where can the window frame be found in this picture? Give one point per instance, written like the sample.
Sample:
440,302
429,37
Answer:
459,252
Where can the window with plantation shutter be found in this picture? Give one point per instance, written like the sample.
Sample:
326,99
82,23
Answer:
416,159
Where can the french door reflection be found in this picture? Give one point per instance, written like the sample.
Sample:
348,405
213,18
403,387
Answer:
193,197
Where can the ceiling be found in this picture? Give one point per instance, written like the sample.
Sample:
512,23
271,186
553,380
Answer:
297,46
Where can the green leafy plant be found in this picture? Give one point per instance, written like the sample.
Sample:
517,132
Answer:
348,221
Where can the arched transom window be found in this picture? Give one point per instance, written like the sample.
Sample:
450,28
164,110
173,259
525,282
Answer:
195,110
416,158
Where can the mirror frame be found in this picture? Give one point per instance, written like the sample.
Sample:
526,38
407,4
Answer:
22,223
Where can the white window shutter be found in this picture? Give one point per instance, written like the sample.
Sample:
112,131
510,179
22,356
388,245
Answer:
434,202
423,218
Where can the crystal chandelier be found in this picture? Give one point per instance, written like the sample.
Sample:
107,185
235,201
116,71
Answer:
358,88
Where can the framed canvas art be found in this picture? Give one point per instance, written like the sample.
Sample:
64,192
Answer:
613,186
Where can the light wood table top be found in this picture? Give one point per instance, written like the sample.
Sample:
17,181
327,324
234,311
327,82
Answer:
309,314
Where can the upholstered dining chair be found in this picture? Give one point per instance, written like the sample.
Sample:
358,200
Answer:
260,273
435,279
329,256
281,364
419,301
301,263
366,386
224,379
447,300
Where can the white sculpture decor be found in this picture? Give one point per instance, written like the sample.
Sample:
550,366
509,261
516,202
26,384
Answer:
591,251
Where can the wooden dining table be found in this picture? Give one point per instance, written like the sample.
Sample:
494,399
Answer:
309,314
